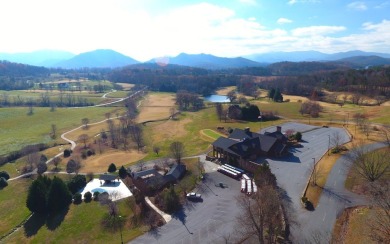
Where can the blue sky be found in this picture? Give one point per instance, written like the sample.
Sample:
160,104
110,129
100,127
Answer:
144,29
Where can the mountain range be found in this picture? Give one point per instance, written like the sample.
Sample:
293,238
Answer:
106,58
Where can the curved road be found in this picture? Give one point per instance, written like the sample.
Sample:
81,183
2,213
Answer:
334,199
73,143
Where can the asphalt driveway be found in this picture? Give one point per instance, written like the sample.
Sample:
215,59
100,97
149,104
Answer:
293,171
210,221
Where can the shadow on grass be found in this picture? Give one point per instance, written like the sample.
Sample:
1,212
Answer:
55,220
34,223
52,221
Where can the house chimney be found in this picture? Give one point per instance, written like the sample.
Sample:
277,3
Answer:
279,129
247,130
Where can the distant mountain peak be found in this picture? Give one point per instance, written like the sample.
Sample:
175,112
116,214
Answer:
100,58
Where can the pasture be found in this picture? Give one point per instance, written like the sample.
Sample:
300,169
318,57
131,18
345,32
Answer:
19,129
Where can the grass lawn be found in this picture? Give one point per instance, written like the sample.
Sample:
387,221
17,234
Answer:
211,134
118,94
81,224
13,208
18,129
351,226
100,163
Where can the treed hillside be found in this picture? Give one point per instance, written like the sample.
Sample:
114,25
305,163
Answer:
172,78
14,76
301,68
370,82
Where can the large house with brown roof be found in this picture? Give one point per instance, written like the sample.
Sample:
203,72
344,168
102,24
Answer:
243,146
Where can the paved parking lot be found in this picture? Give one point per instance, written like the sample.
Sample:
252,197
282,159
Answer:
202,222
293,171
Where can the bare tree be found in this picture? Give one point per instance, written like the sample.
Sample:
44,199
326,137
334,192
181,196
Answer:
32,160
172,112
73,166
260,216
141,164
53,133
137,135
316,173
156,149
232,96
379,225
84,138
371,166
385,136
336,140
56,161
85,122
107,115
177,150
366,127
219,110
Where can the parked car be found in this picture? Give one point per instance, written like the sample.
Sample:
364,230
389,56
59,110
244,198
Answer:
194,196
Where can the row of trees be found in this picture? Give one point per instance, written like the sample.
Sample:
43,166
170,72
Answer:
372,82
187,100
47,195
248,112
45,100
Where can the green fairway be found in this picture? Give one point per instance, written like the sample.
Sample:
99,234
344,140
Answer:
19,129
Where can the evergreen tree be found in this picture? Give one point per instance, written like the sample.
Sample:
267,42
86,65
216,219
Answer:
37,192
278,96
3,182
171,200
111,168
4,174
122,172
271,93
77,183
59,196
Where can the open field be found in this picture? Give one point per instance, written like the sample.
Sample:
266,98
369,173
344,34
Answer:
156,106
13,204
126,86
100,163
18,129
225,90
81,224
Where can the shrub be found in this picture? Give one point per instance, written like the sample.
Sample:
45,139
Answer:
77,183
3,182
77,198
298,136
4,174
96,196
87,196
111,168
67,153
84,155
122,172
90,152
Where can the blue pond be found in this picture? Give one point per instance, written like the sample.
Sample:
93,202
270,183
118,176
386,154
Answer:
217,99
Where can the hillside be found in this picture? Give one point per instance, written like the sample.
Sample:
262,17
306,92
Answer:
102,58
363,61
208,61
37,58
300,56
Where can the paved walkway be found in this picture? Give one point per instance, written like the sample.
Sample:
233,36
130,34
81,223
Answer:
165,216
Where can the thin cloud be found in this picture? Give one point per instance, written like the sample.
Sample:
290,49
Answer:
383,5
249,2
360,6
282,21
292,2
317,30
